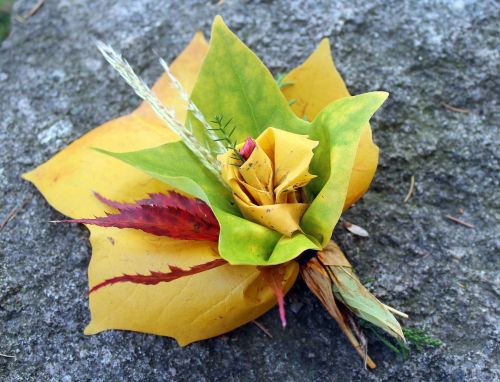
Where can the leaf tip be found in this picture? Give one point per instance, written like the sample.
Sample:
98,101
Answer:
27,176
218,22
283,320
383,95
325,44
200,36
106,152
99,150
373,99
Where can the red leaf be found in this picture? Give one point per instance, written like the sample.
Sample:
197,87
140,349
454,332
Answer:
111,203
274,277
161,277
194,206
172,199
170,215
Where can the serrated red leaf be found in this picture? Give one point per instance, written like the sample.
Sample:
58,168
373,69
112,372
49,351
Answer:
169,214
111,203
171,199
274,277
156,277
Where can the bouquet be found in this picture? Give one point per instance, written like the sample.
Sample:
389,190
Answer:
206,203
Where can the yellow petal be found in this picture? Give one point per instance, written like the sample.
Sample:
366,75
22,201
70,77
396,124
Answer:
189,309
257,173
316,83
292,156
283,218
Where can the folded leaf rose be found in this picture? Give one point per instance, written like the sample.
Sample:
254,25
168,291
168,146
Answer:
268,181
254,101
280,193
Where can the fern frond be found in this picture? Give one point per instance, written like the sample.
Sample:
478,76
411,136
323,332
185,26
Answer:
225,136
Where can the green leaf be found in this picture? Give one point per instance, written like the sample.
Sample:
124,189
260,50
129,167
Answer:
241,241
337,128
177,166
235,83
348,289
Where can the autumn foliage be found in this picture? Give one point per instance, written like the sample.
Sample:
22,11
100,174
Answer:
168,214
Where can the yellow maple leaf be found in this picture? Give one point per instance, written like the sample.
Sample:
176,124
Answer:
190,309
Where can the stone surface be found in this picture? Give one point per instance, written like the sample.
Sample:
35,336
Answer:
55,87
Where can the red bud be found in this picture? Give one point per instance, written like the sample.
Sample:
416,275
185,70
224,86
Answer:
247,148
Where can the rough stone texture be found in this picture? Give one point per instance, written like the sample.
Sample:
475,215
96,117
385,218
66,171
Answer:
55,87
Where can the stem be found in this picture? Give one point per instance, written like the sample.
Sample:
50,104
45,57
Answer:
395,311
205,156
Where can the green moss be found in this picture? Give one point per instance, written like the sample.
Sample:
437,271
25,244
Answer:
415,339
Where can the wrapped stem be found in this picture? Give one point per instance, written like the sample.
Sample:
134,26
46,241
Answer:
348,289
319,283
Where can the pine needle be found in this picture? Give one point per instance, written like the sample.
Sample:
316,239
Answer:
458,221
410,191
454,108
263,328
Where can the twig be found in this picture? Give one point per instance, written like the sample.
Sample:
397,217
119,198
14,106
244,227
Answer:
454,109
363,342
263,328
7,356
410,191
458,221
35,9
225,136
280,77
395,311
12,214
31,12
191,106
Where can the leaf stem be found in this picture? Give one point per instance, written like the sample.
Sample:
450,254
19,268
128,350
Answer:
220,149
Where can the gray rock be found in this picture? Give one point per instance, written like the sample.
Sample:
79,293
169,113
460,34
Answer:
55,87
